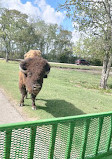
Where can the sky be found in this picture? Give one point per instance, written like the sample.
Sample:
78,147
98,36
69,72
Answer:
46,10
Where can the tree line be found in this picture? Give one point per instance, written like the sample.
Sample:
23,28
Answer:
19,34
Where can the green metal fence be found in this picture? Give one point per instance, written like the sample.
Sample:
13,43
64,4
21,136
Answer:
84,136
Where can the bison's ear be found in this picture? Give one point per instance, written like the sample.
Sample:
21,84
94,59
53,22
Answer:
47,70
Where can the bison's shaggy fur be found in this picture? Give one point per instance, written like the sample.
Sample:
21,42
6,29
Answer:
31,75
32,53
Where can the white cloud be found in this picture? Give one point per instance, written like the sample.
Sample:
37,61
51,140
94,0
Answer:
26,8
41,9
49,14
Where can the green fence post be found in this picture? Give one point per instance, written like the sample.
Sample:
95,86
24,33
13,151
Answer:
7,144
109,142
32,142
52,141
69,140
99,134
87,123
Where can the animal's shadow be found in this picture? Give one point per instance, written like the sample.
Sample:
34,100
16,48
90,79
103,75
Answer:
60,108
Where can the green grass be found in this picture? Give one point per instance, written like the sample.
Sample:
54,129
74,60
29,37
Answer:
64,93
108,157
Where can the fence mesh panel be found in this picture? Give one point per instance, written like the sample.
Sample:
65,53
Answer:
42,142
78,137
92,137
19,143
105,133
2,140
61,141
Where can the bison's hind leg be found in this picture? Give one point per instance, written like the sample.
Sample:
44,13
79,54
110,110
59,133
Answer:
24,94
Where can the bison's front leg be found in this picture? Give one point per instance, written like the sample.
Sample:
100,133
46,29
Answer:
33,96
24,93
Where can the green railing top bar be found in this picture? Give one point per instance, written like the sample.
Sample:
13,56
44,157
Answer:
53,120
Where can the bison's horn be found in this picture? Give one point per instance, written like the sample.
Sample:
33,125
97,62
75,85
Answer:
24,71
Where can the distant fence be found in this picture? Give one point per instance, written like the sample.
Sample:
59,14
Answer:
78,137
12,59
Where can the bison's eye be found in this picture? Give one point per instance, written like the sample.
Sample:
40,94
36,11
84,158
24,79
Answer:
29,74
25,75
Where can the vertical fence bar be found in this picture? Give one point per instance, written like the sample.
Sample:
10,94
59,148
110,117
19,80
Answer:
109,141
32,142
69,140
99,134
87,123
52,141
7,144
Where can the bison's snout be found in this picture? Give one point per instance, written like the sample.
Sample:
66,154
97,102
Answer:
36,87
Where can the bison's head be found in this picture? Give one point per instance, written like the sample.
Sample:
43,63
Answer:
34,69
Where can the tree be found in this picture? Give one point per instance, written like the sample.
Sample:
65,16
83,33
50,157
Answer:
18,35
65,55
12,23
26,39
95,17
78,49
64,39
91,49
53,39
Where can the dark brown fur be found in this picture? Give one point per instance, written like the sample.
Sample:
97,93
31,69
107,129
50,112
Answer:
35,69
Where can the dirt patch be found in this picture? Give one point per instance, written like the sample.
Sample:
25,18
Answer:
10,112
80,70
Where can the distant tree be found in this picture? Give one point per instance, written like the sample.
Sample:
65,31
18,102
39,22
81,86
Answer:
94,48
53,39
26,39
18,34
12,22
64,56
64,40
90,49
78,49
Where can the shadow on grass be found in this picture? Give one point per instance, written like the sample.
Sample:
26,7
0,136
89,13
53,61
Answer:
60,108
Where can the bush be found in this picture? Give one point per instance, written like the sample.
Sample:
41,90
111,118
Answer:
65,56
96,62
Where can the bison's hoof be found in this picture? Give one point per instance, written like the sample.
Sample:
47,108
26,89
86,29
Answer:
21,104
34,108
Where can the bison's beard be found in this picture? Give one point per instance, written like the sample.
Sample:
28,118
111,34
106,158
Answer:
33,88
35,92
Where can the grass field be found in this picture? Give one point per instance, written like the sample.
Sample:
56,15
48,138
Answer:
66,92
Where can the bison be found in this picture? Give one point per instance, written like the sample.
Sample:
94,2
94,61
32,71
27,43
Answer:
32,72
